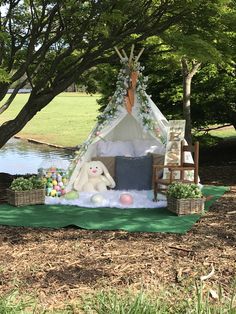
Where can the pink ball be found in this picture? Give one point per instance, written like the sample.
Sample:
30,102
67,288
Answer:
126,199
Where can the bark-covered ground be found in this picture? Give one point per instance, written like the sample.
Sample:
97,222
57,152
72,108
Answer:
61,265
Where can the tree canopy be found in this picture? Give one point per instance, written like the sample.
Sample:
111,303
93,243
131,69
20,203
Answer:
205,40
51,44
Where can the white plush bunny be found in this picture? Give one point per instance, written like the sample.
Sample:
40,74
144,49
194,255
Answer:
93,177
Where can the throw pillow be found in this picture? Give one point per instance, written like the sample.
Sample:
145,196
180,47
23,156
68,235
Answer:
133,173
117,148
143,147
109,162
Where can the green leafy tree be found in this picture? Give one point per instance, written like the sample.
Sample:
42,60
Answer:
210,38
205,39
51,44
213,98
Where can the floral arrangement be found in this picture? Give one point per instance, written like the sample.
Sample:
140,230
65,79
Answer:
182,190
23,184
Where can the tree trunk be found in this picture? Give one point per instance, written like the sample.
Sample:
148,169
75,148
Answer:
188,71
11,127
3,90
187,107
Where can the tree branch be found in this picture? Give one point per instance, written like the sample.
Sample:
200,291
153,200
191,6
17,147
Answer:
12,96
213,128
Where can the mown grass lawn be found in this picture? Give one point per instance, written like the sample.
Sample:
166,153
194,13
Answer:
69,118
228,132
66,121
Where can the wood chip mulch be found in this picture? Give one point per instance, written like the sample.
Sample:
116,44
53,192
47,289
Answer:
60,265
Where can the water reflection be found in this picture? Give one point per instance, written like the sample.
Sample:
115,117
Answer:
21,157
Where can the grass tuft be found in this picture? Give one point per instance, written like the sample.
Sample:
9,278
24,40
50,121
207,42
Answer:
163,303
175,300
114,303
13,303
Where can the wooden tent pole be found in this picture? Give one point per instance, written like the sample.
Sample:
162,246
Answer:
131,53
139,55
119,54
124,53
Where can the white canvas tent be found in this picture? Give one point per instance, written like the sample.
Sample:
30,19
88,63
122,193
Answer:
131,117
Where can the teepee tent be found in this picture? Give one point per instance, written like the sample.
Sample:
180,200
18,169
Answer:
130,119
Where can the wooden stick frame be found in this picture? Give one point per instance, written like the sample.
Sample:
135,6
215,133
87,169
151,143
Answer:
131,56
139,55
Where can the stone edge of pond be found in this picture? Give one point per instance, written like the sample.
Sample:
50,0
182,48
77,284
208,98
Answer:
31,140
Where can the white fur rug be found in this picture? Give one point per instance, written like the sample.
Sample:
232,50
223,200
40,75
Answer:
141,199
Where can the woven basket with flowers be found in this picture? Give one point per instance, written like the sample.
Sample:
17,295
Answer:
185,199
26,191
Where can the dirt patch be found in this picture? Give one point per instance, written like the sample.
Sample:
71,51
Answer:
61,265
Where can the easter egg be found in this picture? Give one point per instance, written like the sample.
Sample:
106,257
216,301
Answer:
48,191
70,195
59,178
97,199
54,182
49,174
54,176
61,184
53,193
57,188
63,192
58,193
126,199
64,180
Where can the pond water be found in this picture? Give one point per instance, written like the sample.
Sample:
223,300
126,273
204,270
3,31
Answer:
22,157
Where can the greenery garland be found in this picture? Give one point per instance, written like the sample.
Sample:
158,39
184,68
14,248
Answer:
145,111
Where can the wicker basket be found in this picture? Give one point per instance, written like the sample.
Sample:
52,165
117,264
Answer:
185,206
20,198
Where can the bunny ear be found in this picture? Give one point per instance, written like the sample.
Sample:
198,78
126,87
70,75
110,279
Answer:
101,164
82,178
107,175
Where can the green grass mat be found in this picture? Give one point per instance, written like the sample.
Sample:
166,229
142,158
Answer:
144,220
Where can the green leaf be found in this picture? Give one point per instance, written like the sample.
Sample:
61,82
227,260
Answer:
183,190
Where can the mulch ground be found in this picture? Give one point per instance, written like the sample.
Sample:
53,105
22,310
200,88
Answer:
61,265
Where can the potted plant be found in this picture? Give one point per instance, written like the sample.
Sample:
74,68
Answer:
26,191
185,199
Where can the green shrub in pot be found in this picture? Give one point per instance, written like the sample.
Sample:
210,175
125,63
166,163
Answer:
182,190
23,184
38,183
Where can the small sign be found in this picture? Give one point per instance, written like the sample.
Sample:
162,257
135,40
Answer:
175,135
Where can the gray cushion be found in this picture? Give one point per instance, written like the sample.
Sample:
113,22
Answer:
133,173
